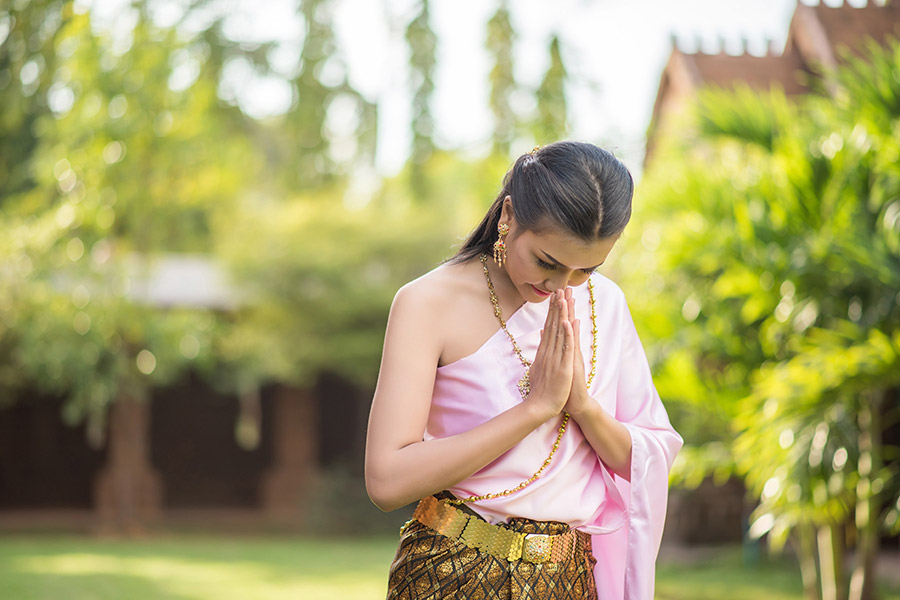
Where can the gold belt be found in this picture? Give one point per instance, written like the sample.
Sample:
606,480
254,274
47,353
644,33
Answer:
495,540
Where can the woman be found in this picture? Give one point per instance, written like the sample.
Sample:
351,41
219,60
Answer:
515,401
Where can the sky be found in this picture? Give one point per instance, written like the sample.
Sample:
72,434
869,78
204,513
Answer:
615,52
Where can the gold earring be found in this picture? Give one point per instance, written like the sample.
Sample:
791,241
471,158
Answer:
500,244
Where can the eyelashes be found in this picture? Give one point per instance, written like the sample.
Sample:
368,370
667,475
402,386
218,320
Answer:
551,267
545,265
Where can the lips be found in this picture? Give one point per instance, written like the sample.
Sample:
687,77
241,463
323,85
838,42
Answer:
540,292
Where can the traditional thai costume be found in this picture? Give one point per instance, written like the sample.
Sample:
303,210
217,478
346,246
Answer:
620,520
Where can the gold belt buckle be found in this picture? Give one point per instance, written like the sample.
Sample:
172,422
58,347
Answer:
536,548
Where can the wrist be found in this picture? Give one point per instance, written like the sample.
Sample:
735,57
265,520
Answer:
538,410
583,407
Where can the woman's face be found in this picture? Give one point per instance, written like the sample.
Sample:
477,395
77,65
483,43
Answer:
539,263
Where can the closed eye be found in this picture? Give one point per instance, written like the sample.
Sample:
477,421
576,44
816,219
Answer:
551,267
545,265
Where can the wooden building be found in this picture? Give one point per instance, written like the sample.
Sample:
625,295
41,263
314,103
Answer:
816,40
175,458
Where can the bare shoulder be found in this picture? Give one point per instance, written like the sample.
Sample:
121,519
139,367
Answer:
438,283
442,303
435,293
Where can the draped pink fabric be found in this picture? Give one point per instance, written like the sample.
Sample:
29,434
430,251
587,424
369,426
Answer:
625,519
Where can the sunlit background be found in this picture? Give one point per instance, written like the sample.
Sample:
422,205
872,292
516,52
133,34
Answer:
615,52
206,208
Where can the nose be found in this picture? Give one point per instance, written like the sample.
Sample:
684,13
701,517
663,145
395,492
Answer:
562,280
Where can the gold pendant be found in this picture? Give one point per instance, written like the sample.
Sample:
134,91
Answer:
525,384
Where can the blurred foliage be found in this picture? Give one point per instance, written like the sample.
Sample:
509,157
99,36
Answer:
327,115
550,124
422,43
771,240
27,54
119,169
119,151
500,41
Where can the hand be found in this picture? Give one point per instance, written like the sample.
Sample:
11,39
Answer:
579,399
551,372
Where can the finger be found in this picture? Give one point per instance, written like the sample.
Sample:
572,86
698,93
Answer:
560,317
541,349
570,301
550,342
576,330
552,325
579,357
556,308
563,308
548,333
568,349
549,320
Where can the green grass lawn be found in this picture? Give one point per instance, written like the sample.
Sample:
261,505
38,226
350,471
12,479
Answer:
195,567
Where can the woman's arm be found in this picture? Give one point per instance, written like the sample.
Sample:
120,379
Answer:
609,438
400,466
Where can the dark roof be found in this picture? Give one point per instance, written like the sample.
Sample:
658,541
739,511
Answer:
759,72
847,27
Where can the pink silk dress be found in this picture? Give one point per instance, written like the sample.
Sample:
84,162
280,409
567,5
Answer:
625,518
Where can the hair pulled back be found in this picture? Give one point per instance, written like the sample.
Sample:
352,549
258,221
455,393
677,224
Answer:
573,186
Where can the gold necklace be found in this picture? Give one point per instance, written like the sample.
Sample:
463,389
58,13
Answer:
525,386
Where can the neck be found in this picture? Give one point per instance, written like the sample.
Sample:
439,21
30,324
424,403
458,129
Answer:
507,294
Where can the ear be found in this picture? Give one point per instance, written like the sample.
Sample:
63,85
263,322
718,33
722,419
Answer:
507,215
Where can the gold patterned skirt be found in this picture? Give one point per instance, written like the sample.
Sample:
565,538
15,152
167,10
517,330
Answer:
429,566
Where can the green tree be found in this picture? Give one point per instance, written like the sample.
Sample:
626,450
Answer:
121,171
551,122
422,59
29,32
500,40
775,227
322,98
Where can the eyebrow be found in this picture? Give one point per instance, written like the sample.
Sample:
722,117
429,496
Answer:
564,266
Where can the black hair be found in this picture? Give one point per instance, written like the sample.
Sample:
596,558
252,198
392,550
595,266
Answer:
575,186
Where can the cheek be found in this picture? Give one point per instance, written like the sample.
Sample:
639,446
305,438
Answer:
525,273
578,279
531,272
